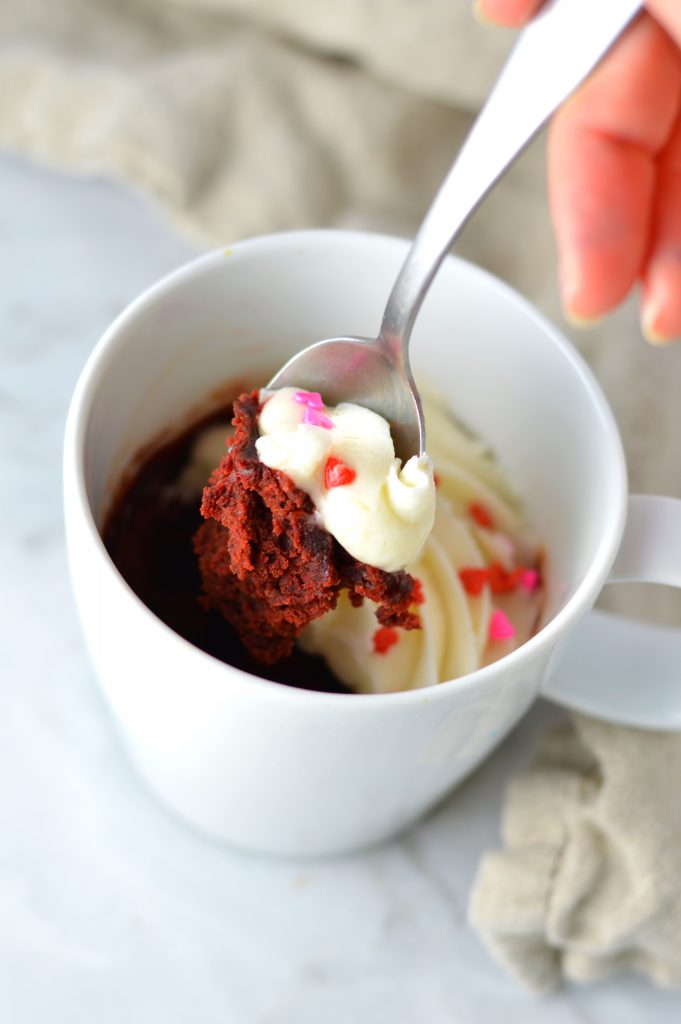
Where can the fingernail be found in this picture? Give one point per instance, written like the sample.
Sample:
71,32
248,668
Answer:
581,322
571,289
653,337
654,304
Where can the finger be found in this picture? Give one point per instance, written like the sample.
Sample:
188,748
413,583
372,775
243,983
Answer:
661,297
602,153
668,13
508,12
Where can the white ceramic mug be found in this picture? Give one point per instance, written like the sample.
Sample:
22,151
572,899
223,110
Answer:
290,771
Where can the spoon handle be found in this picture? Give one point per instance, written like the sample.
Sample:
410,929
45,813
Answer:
552,56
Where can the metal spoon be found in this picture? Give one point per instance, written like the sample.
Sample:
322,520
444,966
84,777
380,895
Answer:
552,56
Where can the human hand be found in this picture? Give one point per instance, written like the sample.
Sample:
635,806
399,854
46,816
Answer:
614,168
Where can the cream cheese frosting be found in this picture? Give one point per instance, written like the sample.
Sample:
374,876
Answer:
343,456
479,524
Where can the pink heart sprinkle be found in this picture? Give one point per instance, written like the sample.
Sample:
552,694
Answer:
312,399
530,579
317,419
500,627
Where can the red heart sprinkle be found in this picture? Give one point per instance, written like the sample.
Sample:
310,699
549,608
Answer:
498,578
384,638
481,515
473,580
417,595
515,578
502,581
337,474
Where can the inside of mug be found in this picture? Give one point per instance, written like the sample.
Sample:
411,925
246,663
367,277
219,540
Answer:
237,316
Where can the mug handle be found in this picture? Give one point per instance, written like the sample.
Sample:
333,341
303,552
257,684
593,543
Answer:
618,669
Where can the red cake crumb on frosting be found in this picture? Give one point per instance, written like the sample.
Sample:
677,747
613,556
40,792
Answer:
267,565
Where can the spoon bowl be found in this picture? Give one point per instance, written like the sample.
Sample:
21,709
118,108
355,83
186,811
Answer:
365,371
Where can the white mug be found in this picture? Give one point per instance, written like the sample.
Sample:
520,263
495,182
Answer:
291,771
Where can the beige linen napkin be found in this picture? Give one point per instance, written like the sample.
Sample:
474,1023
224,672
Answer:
238,130
590,880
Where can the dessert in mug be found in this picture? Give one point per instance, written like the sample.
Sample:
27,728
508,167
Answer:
315,531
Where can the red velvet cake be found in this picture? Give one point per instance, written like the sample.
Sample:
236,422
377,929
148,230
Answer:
266,563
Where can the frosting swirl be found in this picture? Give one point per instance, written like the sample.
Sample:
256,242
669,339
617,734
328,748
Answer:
478,575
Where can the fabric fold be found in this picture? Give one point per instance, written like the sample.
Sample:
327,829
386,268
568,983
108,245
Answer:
590,881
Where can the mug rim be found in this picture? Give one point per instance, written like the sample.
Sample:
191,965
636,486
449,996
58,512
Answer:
546,637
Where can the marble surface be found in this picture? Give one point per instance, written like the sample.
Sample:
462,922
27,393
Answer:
110,910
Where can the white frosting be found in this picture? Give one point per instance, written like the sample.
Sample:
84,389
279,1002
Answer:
454,639
385,514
